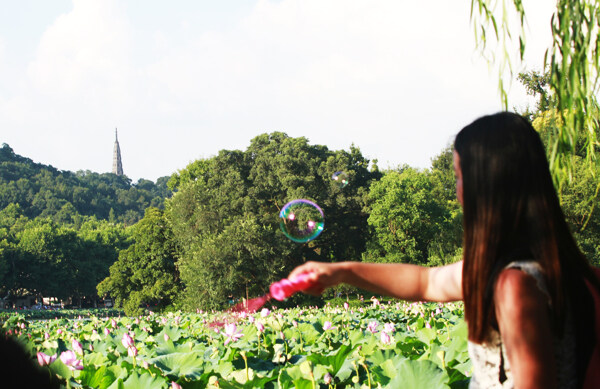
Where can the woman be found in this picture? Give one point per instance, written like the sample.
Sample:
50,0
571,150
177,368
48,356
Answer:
522,275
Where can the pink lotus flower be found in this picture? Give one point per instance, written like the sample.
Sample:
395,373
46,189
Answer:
70,359
113,323
259,326
46,336
327,325
372,327
427,325
346,306
127,340
175,385
328,379
388,327
59,331
265,312
77,347
44,359
231,332
166,337
385,338
106,331
132,351
295,323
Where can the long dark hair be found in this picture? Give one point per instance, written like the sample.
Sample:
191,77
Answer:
511,211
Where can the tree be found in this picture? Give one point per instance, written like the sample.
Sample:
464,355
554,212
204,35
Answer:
579,199
145,272
45,261
447,245
404,216
574,65
536,84
237,193
243,259
101,243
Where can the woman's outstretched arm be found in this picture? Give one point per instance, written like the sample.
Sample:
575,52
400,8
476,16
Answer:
404,281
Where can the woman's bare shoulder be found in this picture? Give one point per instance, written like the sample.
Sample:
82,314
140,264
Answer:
517,290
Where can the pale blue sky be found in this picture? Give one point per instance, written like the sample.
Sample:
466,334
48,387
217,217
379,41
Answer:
184,79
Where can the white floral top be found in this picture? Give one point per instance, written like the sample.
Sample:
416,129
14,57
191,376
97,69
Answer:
491,369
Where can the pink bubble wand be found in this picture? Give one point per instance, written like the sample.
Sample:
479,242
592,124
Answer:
279,291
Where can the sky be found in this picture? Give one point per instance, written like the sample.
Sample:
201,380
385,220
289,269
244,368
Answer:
182,80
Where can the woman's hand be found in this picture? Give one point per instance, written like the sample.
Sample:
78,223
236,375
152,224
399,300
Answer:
321,275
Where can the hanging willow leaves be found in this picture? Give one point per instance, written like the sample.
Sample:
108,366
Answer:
573,62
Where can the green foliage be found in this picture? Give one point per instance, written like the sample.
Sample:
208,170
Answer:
145,272
580,205
44,191
42,257
579,198
225,214
43,314
574,67
388,345
243,257
537,84
407,221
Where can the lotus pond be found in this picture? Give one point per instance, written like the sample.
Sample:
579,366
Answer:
395,345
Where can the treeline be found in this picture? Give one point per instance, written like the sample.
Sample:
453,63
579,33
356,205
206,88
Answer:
66,197
42,257
218,237
222,225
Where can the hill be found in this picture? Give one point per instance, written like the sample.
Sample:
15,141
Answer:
42,190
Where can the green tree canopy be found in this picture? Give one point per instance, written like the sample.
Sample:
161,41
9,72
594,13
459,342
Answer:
225,214
405,217
145,272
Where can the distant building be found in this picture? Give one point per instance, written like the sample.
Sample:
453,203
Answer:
117,166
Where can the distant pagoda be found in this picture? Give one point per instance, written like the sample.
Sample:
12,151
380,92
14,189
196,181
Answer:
117,166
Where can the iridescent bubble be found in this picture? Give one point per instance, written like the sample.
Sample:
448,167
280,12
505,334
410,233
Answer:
340,179
301,220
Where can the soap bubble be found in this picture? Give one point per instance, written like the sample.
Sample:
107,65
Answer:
340,179
301,220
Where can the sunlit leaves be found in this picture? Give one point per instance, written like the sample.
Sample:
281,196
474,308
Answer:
573,62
